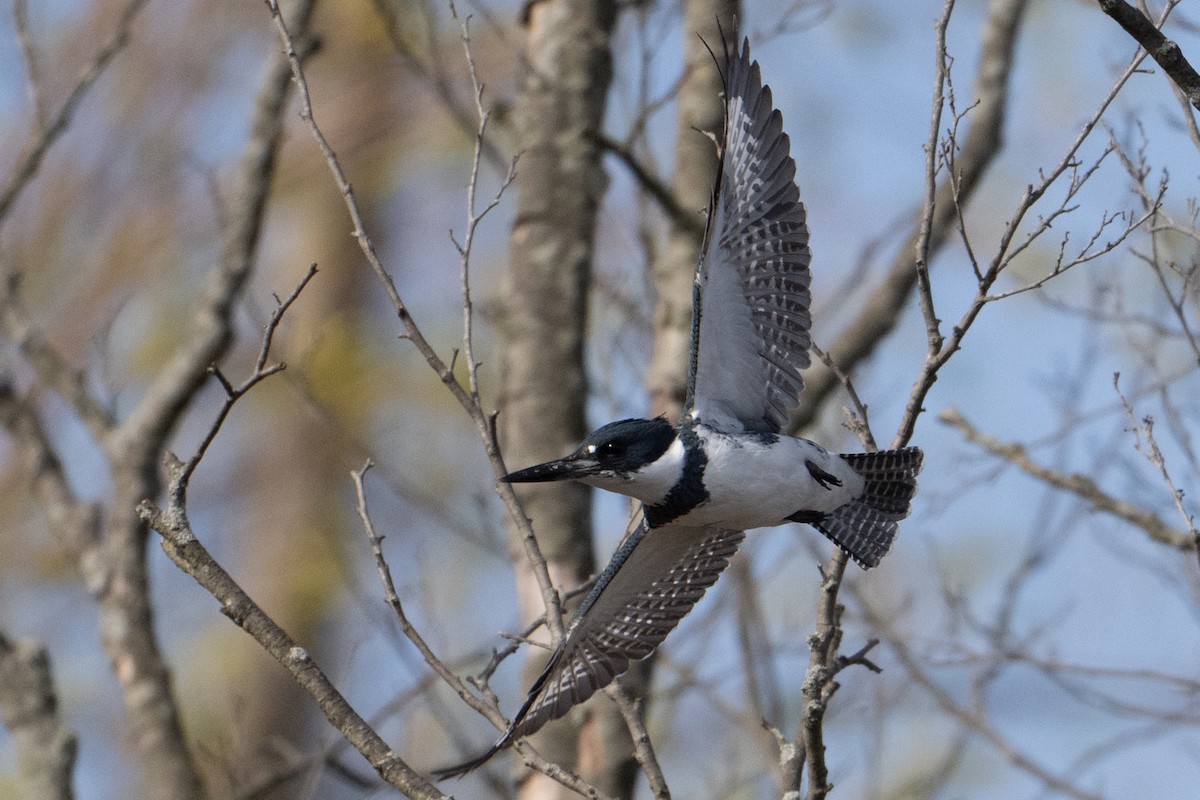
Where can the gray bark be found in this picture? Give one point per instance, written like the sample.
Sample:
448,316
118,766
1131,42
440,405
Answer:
29,708
560,185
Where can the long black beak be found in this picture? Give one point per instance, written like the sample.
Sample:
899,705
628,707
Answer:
573,466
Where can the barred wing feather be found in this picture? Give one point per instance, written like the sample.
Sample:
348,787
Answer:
652,582
750,327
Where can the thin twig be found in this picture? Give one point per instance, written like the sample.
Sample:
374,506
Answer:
185,550
970,718
261,372
1080,485
33,77
515,640
474,217
74,523
1145,431
393,599
46,135
882,310
413,333
631,710
433,73
690,220
859,419
1007,250
925,228
70,383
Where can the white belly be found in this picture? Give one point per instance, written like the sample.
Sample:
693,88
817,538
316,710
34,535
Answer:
754,484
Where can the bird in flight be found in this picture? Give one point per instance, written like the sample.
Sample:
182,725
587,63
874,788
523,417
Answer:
727,467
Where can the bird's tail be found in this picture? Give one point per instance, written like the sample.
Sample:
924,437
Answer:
865,527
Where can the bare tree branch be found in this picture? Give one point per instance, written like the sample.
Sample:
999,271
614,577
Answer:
135,446
686,219
791,761
857,418
433,72
180,544
1009,247
185,550
115,568
211,328
439,667
1161,49
1077,484
925,232
971,718
1147,445
819,684
51,367
483,423
261,372
33,73
45,747
883,308
75,524
45,135
632,710
474,216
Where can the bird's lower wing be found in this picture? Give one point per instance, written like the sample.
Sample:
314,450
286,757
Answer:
652,582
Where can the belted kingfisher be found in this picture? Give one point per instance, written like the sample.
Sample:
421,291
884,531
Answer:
727,467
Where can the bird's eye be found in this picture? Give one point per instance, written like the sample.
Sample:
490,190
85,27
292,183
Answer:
612,449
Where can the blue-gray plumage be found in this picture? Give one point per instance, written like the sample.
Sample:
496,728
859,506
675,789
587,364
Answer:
727,467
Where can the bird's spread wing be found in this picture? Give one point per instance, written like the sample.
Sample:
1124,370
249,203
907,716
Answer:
750,325
652,582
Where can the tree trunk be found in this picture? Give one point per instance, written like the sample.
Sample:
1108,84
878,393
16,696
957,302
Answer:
701,109
560,184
